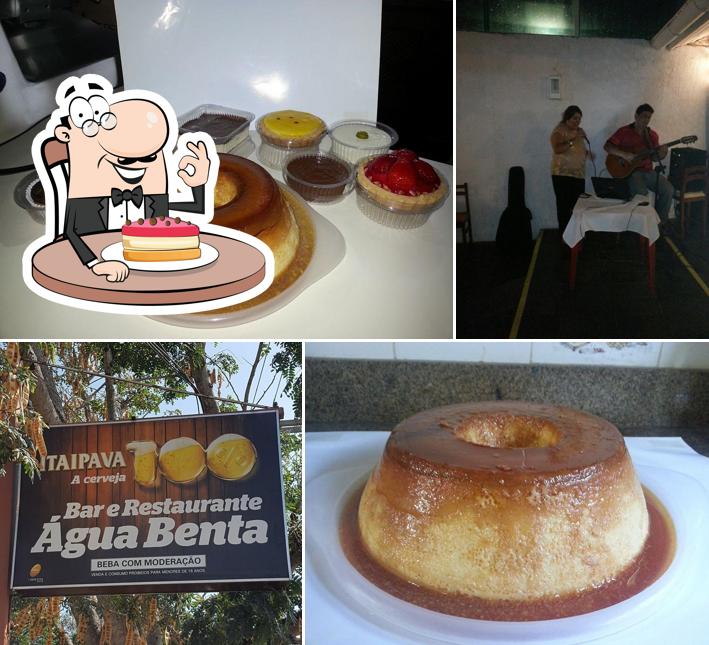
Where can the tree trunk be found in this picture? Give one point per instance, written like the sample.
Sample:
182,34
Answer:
45,398
78,607
7,485
247,393
111,412
200,378
47,401
118,621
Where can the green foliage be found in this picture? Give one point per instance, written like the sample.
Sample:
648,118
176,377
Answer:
288,361
244,618
15,445
225,362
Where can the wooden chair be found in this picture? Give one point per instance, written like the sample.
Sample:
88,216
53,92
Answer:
55,156
693,189
462,215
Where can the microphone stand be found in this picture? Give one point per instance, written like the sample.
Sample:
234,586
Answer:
589,154
659,168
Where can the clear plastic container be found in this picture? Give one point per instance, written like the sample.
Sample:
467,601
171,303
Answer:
29,194
227,126
355,139
305,136
274,156
318,176
400,216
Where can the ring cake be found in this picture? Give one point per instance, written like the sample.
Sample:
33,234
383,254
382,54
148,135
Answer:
247,198
160,239
504,501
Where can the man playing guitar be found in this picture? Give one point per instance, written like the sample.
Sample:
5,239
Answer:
635,138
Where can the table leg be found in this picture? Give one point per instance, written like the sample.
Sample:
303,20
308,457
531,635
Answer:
572,265
651,266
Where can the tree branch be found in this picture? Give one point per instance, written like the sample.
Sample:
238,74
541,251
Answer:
251,376
45,398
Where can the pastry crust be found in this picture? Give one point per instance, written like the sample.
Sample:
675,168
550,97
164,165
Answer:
291,129
405,203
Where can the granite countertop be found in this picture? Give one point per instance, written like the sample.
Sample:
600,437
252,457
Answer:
695,437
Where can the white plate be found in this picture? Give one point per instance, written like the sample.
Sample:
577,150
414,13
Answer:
115,252
330,249
352,599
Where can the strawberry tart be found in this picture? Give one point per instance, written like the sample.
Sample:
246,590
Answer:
399,189
159,239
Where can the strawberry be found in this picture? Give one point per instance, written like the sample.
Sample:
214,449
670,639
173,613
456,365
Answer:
427,173
377,169
423,186
401,178
409,155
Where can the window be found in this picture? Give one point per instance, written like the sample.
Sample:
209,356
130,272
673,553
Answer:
602,18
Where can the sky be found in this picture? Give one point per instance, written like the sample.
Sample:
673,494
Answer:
244,353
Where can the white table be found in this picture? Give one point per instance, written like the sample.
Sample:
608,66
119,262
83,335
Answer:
612,216
391,283
335,618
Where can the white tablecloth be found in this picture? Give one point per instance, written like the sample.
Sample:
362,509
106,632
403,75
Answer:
612,216
336,621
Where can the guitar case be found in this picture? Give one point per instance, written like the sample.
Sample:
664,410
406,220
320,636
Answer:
514,231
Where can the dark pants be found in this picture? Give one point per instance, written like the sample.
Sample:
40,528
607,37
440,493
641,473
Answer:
567,191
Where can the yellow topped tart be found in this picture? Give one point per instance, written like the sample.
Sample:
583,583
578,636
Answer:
290,128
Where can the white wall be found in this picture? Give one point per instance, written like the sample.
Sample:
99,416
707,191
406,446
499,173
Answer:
504,117
626,354
312,55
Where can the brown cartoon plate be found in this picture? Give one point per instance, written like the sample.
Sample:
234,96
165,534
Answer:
238,268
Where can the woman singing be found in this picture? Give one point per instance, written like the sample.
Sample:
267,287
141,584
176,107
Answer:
568,163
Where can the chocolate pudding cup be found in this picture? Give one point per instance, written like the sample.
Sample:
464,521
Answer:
318,176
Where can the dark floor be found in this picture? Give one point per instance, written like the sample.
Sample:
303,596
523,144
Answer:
611,299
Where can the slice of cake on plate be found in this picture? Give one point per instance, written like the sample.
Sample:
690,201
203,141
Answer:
160,239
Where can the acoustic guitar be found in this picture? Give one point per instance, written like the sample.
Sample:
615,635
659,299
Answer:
620,168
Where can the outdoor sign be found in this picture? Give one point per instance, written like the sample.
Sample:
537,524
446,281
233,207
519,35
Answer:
169,504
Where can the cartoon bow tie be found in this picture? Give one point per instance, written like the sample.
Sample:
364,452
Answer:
118,196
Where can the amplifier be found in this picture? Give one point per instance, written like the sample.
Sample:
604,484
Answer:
682,158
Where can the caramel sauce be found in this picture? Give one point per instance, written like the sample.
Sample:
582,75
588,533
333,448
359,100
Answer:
303,255
440,439
653,561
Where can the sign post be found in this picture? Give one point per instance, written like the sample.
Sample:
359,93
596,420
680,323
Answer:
6,491
158,505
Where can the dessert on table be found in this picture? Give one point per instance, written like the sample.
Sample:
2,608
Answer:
247,198
318,176
398,189
508,510
285,131
353,140
227,127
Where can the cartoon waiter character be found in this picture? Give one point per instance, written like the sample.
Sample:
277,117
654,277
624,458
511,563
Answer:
118,170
